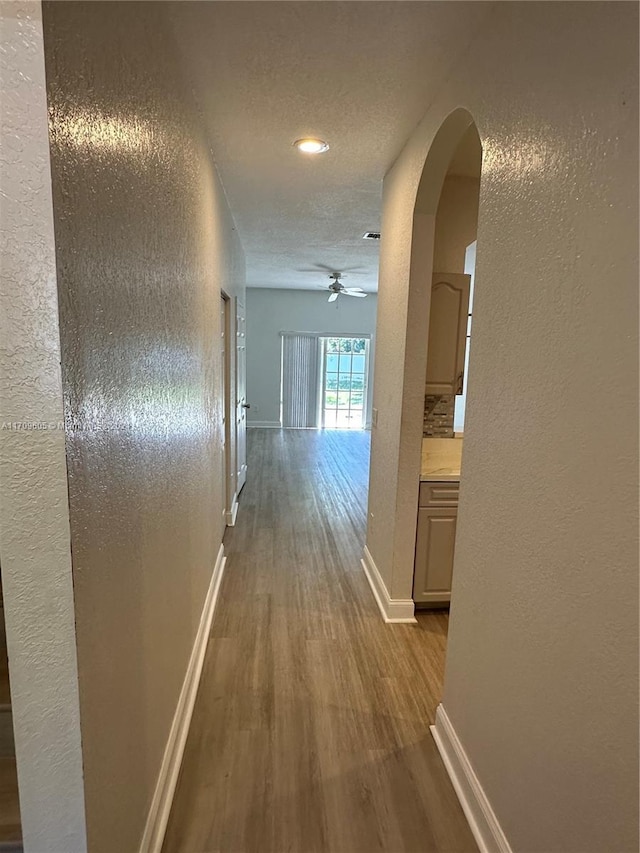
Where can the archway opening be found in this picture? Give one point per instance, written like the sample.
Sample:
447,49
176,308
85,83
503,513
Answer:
447,205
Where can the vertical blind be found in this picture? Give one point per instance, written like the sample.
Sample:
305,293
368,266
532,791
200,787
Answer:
299,380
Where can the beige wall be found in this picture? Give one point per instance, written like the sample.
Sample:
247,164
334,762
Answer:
456,222
34,506
541,682
144,244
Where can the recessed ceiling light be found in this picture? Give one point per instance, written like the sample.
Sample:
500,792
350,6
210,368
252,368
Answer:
310,145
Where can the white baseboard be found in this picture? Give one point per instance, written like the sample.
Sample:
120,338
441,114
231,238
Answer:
158,816
232,513
481,818
264,424
392,609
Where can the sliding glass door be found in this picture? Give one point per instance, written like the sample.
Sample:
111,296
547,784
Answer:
345,367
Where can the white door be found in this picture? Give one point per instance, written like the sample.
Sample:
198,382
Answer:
241,398
344,371
228,410
223,397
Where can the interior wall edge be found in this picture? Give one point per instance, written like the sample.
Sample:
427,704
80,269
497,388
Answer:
34,507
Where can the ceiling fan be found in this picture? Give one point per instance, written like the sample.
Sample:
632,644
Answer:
337,287
320,267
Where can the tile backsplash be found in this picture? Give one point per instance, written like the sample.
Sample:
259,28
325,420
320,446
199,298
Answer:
438,415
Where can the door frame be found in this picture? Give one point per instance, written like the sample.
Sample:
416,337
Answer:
229,465
240,388
322,371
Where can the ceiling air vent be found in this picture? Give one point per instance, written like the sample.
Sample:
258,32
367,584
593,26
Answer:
371,235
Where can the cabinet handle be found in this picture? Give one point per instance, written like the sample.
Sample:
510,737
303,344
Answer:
460,382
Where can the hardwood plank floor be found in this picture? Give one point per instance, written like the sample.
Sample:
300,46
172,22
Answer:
10,824
310,732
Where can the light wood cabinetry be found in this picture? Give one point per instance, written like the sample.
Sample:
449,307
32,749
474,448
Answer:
435,542
447,333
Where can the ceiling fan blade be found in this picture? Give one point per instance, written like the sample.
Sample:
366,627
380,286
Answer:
333,297
354,290
351,293
323,267
318,268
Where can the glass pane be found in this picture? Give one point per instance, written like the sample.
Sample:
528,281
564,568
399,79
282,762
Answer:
343,399
332,361
330,419
358,364
345,362
359,345
330,399
357,399
348,419
331,381
357,382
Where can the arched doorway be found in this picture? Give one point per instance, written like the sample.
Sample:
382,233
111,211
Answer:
404,304
450,288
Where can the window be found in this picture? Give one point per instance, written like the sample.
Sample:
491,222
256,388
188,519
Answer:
345,366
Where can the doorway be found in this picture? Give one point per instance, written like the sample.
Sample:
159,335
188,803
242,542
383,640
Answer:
241,398
447,209
344,366
228,490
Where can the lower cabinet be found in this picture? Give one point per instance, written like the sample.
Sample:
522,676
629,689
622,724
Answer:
435,542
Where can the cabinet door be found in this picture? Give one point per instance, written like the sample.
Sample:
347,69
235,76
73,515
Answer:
447,333
435,545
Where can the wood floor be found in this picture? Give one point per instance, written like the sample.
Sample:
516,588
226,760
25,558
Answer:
310,732
10,825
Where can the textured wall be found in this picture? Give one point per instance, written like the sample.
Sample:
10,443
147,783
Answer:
34,515
456,222
541,680
144,244
270,312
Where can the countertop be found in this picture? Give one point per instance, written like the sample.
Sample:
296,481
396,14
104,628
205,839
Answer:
441,459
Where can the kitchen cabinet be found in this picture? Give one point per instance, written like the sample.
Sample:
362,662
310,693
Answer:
435,542
447,333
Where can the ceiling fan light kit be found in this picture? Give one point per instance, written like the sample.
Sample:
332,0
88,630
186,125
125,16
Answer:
337,288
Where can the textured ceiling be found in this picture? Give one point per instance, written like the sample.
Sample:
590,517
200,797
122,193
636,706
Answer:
358,74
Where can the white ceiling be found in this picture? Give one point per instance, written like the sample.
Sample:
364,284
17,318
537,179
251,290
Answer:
358,74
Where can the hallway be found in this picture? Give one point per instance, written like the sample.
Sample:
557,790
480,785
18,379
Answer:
310,730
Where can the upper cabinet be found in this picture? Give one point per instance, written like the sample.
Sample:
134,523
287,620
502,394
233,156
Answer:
447,333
